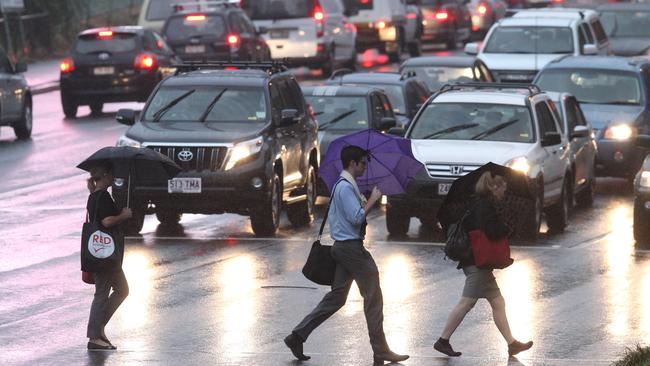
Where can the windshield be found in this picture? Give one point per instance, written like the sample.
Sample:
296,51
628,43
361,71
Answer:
395,96
329,109
626,23
530,40
209,26
118,42
162,9
437,76
233,105
474,121
279,9
593,86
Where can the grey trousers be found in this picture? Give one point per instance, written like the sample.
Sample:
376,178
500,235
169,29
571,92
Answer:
104,305
353,262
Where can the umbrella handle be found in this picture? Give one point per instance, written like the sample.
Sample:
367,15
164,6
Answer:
128,191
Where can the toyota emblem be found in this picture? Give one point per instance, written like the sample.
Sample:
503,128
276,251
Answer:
185,155
103,56
456,169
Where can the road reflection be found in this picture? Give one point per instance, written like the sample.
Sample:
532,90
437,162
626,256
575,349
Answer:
134,313
519,284
397,282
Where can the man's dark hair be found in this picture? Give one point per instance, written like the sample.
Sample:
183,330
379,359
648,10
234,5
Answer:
352,153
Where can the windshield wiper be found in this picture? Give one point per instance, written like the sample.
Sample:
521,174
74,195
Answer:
621,102
494,129
450,130
336,119
159,113
211,105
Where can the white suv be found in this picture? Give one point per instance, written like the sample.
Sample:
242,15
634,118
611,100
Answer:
465,126
516,48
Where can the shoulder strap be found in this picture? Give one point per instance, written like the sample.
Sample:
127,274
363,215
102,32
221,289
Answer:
322,225
94,216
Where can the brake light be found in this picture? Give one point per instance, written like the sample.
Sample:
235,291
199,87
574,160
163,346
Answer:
411,16
105,34
482,9
319,16
66,66
442,15
145,62
233,40
381,24
195,18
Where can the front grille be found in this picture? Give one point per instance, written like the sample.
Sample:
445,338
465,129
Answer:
450,170
195,158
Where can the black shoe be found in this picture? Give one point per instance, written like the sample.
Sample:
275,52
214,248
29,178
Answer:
442,345
516,347
107,341
389,356
295,345
95,346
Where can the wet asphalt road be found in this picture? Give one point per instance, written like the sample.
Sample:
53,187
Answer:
210,292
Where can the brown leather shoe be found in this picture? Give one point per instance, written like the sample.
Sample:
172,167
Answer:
442,345
295,345
516,347
389,356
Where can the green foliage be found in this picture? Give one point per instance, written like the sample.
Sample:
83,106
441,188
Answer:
640,356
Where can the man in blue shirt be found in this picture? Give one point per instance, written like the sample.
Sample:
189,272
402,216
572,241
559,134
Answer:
347,214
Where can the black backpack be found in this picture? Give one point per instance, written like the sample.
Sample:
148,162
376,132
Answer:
457,245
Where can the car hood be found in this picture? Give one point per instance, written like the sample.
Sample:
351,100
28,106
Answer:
471,152
600,115
193,132
628,46
509,61
325,138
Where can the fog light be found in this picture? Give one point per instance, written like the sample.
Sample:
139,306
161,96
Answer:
618,156
384,200
257,183
119,182
647,205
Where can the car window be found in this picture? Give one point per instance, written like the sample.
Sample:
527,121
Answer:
340,112
545,119
161,45
549,40
557,113
162,9
113,43
594,86
331,6
626,23
474,121
601,36
277,104
589,37
437,76
236,24
395,94
571,114
235,105
279,9
580,117
196,25
292,95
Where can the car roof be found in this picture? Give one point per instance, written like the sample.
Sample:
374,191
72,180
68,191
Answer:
338,91
243,77
598,62
136,29
368,78
569,13
440,61
510,97
625,7
536,21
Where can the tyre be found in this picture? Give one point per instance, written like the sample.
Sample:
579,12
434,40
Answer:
168,217
265,219
396,55
96,108
557,216
641,222
23,128
328,66
452,42
532,223
415,48
133,226
70,105
302,213
585,198
397,220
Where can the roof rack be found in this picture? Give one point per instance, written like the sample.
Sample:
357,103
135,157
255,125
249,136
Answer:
207,5
340,72
531,88
271,67
407,75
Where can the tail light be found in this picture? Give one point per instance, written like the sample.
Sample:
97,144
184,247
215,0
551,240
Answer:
319,17
145,61
381,24
233,40
442,15
105,34
66,66
482,9
195,18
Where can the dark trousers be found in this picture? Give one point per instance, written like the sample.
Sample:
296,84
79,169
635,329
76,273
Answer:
353,262
105,303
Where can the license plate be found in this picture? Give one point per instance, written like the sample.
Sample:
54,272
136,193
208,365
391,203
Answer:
443,188
195,49
184,185
104,70
279,33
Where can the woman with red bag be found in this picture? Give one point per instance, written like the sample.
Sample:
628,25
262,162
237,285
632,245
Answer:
480,282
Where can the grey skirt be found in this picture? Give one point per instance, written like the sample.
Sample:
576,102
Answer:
480,283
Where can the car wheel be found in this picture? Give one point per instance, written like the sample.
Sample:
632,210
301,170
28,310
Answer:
96,108
415,48
302,213
168,217
641,222
557,215
397,220
452,43
265,219
533,221
585,198
328,66
23,129
70,105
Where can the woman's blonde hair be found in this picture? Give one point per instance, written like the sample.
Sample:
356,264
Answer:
486,182
96,174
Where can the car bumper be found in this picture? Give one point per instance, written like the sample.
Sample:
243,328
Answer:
421,198
373,38
436,32
86,90
618,158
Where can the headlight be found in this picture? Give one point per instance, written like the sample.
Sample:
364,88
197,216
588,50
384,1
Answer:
620,132
243,150
125,141
520,164
645,179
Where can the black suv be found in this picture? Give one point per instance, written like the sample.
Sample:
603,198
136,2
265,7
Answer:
244,137
221,32
16,98
116,64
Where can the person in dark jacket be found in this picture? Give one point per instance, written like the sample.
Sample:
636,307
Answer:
104,305
480,283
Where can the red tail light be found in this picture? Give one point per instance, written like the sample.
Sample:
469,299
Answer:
442,15
145,62
233,40
66,66
195,18
105,34
482,9
319,16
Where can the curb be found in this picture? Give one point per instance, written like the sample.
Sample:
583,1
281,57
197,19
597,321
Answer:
44,87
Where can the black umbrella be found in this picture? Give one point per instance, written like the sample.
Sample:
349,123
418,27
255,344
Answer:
517,203
134,163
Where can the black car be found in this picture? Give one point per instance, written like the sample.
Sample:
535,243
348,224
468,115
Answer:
115,64
221,33
437,71
405,91
628,28
446,21
16,97
642,196
244,137
341,110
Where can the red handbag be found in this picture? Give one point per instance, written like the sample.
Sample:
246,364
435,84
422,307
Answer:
489,254
88,277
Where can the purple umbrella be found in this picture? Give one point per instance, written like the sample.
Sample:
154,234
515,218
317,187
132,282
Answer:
391,164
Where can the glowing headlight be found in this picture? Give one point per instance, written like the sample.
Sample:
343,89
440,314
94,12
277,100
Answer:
619,132
125,141
519,164
243,150
645,179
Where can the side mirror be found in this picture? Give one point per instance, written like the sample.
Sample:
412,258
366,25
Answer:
21,67
397,131
471,48
551,138
589,49
580,131
386,123
289,117
125,116
262,30
643,141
